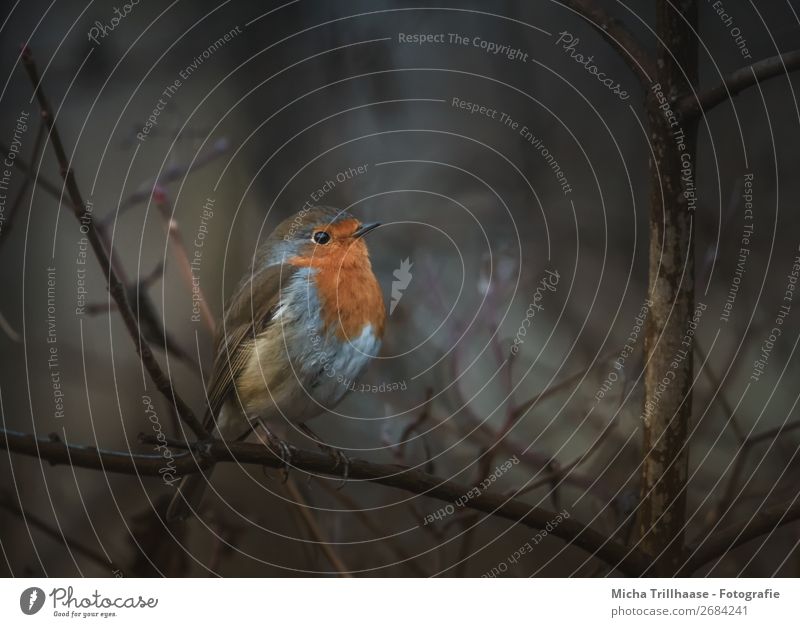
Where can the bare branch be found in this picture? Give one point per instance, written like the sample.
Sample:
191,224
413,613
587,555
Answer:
618,36
666,412
408,560
115,286
170,175
719,395
563,384
23,190
8,504
316,532
35,177
693,105
731,537
740,458
629,561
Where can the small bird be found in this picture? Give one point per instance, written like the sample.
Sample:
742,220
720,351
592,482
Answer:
296,332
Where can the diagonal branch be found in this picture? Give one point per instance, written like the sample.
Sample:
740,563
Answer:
629,561
618,36
5,228
170,175
315,531
7,504
727,539
354,508
693,105
35,177
115,286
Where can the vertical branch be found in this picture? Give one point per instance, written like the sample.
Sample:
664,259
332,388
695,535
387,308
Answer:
316,532
668,369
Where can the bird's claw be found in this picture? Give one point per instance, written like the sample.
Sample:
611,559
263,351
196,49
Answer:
287,456
343,460
339,458
285,451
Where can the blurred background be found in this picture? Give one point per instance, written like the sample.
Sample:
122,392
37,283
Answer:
497,164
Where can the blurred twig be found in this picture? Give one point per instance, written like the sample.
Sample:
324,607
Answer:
170,175
424,415
35,177
716,385
725,540
316,532
561,472
522,408
742,454
7,503
402,555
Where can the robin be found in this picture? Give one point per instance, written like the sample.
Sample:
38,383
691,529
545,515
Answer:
305,322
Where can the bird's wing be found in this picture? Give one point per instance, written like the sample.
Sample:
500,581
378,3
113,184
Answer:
251,310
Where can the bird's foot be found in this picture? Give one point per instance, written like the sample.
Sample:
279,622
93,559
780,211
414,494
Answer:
344,460
339,458
285,450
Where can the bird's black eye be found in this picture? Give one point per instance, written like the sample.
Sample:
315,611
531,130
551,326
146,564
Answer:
321,237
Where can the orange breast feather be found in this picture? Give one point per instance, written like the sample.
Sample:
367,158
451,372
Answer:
349,294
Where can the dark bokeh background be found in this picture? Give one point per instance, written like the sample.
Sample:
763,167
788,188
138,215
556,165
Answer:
317,88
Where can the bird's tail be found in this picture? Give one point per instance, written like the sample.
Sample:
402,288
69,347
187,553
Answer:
187,499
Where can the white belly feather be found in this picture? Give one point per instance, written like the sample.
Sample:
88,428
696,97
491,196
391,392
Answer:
302,370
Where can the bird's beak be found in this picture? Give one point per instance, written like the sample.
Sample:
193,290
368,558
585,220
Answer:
366,228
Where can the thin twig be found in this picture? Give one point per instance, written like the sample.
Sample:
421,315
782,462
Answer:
692,105
565,471
560,385
350,503
8,504
152,329
315,531
716,384
170,175
35,177
741,457
424,415
735,535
